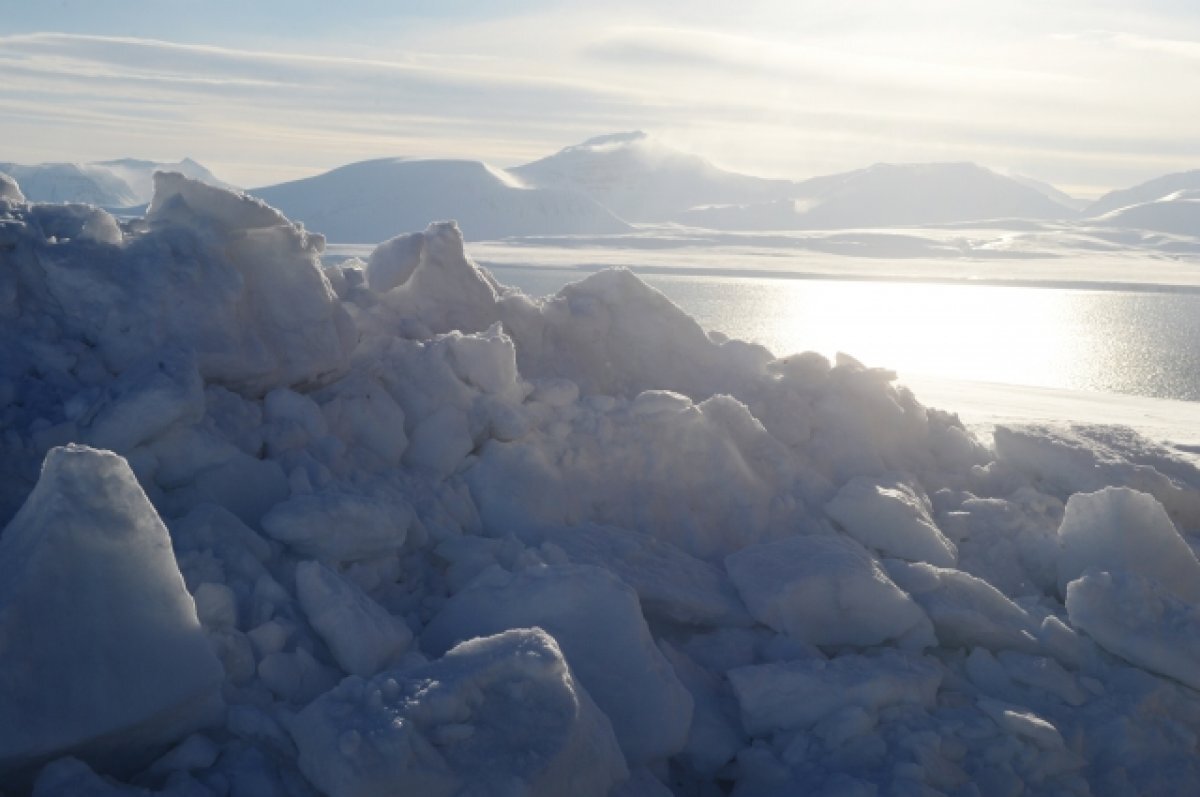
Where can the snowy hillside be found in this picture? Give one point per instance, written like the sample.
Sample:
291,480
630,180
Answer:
386,527
1050,192
1149,191
641,179
139,174
1177,213
111,184
373,200
889,195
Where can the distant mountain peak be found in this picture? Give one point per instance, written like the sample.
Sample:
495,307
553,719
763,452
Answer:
370,201
640,178
610,139
132,162
1146,192
117,183
932,166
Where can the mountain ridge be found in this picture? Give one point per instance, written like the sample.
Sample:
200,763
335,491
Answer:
372,200
1148,191
114,184
604,183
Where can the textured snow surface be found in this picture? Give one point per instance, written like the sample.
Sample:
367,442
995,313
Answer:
389,527
495,715
98,634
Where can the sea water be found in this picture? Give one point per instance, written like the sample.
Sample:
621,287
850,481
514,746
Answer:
1141,342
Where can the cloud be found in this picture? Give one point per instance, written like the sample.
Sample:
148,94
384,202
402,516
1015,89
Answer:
1175,48
784,88
144,60
224,100
780,60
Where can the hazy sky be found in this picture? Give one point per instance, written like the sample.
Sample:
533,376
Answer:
1086,94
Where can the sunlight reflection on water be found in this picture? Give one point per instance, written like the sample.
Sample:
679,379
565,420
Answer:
1109,341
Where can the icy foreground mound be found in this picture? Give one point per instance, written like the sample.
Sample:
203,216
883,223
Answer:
392,527
98,635
497,715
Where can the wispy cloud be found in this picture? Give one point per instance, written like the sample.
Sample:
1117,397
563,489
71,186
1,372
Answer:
779,60
348,106
792,88
1175,48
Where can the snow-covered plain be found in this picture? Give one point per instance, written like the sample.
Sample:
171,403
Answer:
389,527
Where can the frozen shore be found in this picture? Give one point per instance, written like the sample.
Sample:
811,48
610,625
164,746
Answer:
387,526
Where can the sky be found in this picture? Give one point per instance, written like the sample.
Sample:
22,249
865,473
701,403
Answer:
1088,95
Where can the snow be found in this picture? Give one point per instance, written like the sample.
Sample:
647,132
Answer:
110,184
104,655
388,526
603,184
1149,191
1139,619
893,518
799,693
375,200
671,584
644,454
1177,213
966,611
367,525
827,591
145,401
361,635
641,178
496,715
889,195
983,406
599,626
1024,723
1122,529
10,191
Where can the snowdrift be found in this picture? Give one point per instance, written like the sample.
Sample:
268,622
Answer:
390,527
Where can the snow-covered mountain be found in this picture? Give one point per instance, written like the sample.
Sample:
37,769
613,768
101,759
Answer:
890,195
139,174
371,201
111,184
1177,213
641,179
1149,191
1055,194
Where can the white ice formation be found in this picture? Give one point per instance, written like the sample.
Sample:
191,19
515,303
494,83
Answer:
389,527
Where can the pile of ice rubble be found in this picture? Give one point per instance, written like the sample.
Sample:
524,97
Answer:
391,528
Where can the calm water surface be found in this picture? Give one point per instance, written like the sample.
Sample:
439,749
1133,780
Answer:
1142,343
